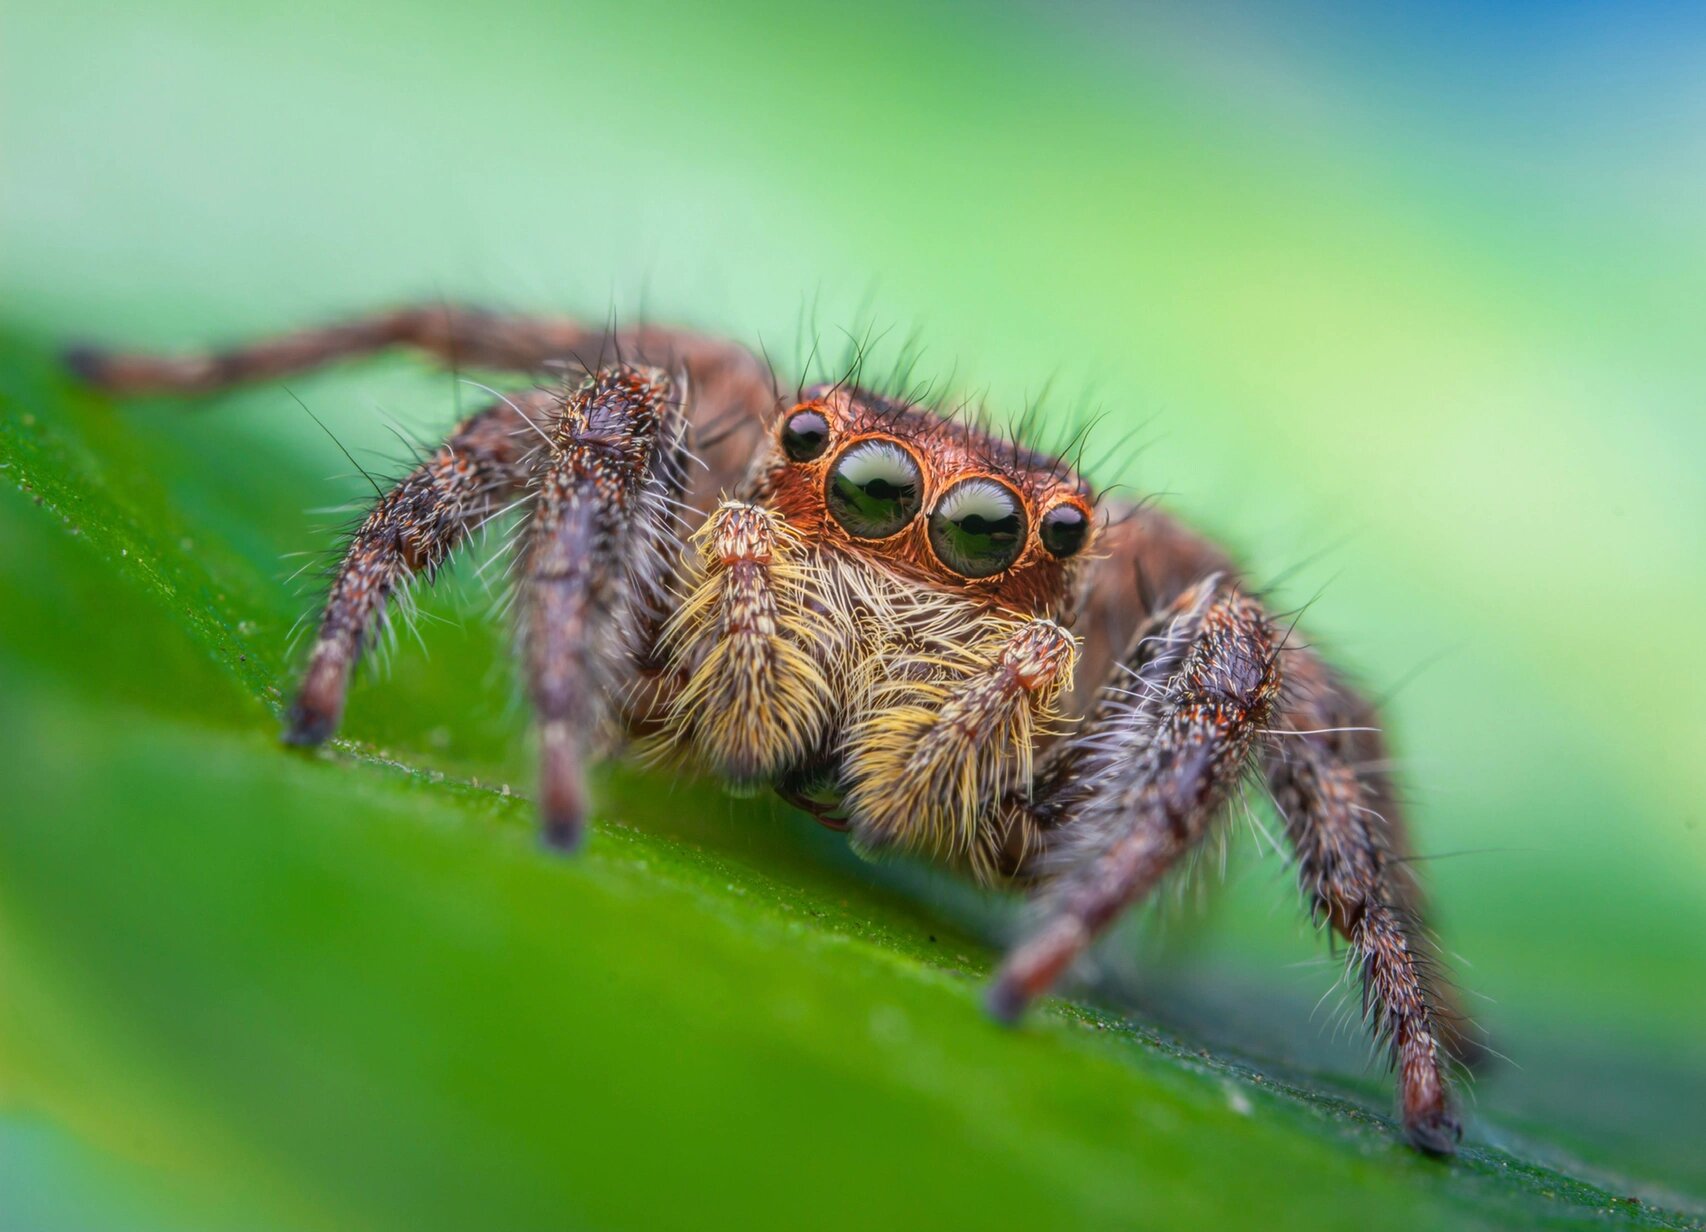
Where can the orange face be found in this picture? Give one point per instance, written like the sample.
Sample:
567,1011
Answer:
937,500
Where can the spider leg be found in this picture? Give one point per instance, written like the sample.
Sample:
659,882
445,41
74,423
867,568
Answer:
610,469
410,532
732,388
1324,765
1155,764
1342,822
457,334
597,566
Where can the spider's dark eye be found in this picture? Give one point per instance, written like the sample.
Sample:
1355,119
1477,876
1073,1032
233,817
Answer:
1064,529
875,489
978,528
805,435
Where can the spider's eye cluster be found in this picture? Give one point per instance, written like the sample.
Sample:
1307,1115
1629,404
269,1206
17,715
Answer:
875,489
805,435
978,527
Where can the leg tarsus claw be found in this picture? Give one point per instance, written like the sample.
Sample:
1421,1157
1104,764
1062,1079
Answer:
1435,1133
306,728
1005,1001
563,835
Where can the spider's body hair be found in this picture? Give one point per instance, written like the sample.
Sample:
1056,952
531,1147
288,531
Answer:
1051,426
945,731
793,657
755,645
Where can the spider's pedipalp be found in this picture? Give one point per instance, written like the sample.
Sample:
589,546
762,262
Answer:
941,736
756,699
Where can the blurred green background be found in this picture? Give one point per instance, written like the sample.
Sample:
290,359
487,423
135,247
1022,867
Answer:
1406,304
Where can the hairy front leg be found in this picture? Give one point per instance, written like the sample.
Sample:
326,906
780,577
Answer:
410,533
599,549
1329,774
1154,767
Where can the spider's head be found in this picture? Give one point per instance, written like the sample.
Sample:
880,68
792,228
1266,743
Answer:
936,500
882,618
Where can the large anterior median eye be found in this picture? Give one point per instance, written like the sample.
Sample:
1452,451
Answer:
978,527
875,489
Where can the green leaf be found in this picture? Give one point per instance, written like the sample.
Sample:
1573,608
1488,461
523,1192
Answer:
351,990
1338,267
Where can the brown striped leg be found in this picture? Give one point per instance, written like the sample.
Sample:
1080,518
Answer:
597,565
732,389
409,533
459,335
1157,763
1328,774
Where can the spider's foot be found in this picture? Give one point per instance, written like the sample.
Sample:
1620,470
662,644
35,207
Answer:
85,363
1034,966
1006,1002
1436,1132
562,793
319,704
307,727
563,835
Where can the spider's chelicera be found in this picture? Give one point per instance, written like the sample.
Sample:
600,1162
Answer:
919,631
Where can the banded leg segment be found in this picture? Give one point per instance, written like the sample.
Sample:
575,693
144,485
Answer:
411,532
597,565
459,335
1327,772
1162,757
732,389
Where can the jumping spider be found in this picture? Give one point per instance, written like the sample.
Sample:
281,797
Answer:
879,623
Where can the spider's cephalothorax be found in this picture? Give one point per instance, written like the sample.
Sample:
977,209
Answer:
881,621
918,631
